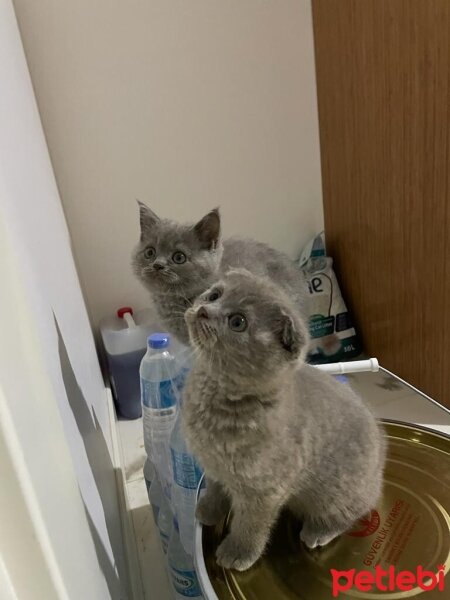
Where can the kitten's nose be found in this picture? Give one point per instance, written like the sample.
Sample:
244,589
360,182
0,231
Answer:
202,313
158,266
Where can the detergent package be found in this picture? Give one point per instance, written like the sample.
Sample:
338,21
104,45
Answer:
333,337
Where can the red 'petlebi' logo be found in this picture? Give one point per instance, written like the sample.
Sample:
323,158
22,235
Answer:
366,525
387,580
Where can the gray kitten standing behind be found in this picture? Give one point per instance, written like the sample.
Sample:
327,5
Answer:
177,262
271,434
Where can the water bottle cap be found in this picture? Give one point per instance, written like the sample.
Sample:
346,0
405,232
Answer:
158,340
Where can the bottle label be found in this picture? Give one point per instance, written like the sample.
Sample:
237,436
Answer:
186,472
162,394
185,583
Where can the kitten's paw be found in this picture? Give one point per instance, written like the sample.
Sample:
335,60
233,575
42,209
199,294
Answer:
233,554
312,539
207,512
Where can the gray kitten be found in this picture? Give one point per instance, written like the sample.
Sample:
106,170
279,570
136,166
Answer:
269,430
178,262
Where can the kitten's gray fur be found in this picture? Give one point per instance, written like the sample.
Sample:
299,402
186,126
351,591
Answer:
175,286
268,433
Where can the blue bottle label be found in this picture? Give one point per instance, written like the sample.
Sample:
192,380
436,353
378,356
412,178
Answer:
185,583
186,472
160,394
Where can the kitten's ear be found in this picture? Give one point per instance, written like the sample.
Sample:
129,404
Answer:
147,218
207,230
292,335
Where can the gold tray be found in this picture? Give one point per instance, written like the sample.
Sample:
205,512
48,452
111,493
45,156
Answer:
409,527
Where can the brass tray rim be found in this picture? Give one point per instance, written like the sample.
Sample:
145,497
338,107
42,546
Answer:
411,425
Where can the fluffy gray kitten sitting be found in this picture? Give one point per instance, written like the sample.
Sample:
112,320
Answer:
268,433
177,262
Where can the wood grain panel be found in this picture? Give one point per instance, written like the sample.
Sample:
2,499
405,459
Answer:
383,80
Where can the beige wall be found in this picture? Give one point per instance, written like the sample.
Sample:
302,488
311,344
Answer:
184,104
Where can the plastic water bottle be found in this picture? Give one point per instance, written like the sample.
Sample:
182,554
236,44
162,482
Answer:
186,477
149,473
156,497
165,520
158,372
181,567
183,356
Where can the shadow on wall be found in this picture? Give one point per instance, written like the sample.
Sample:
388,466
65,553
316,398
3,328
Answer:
103,471
116,587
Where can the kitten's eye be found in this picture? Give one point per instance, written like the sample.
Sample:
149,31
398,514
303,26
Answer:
213,296
149,252
237,322
179,257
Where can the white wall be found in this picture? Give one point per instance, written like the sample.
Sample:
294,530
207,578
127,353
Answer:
54,419
184,104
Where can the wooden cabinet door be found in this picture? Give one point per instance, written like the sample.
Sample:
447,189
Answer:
383,80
